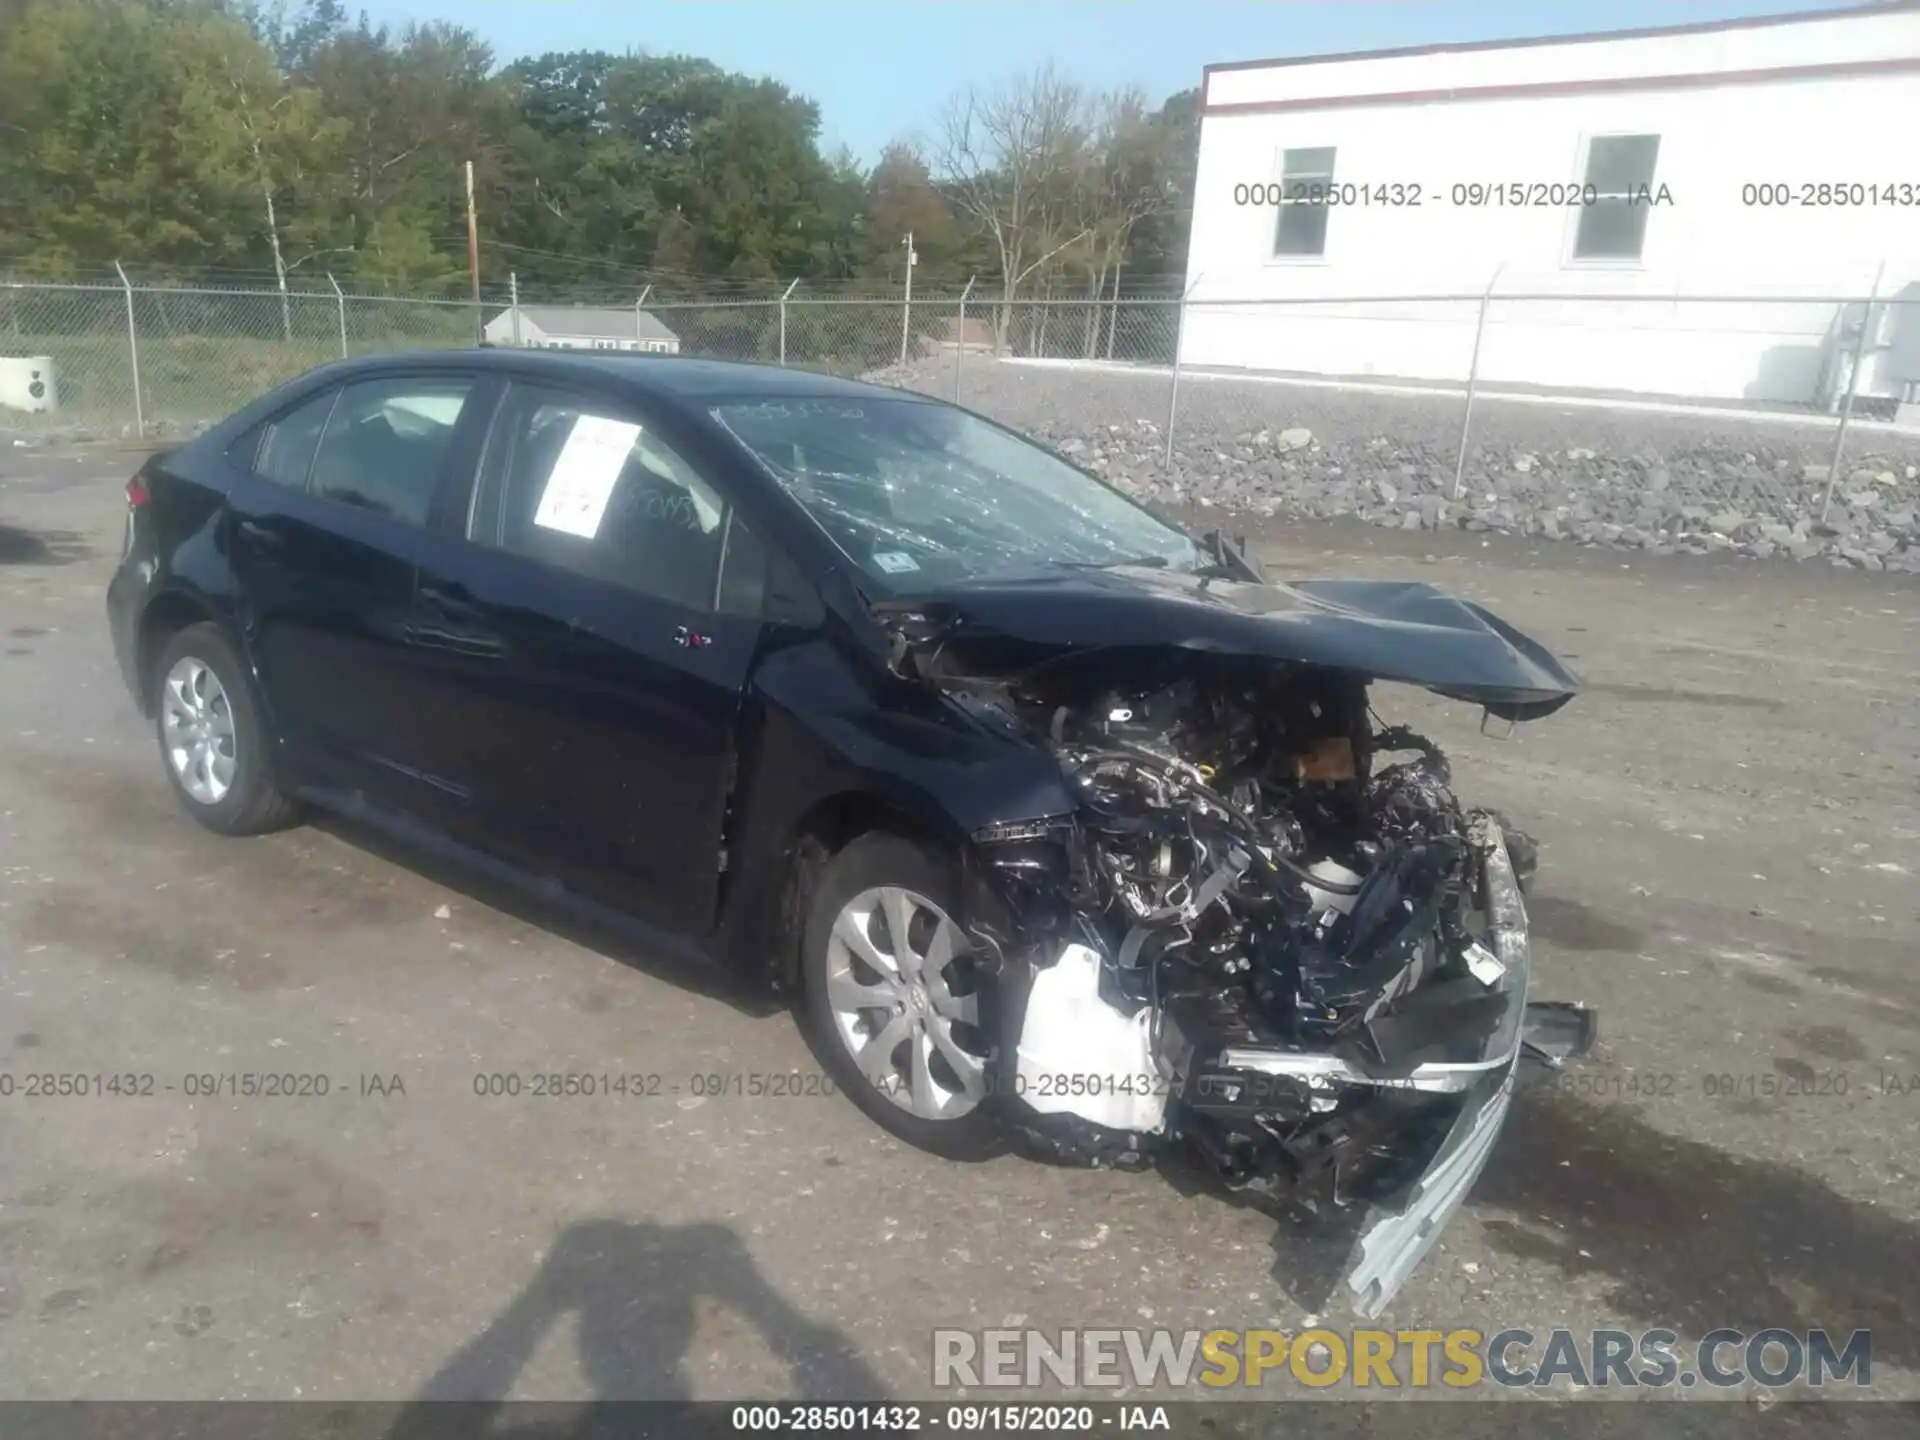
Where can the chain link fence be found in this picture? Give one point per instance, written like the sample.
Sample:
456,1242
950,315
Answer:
1618,419
160,360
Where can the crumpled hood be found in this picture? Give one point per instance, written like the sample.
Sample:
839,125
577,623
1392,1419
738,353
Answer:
1384,629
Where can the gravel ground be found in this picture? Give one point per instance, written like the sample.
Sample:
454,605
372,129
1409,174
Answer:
1622,478
1730,833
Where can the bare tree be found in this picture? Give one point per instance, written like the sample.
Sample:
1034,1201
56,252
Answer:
256,122
275,120
1122,180
1008,157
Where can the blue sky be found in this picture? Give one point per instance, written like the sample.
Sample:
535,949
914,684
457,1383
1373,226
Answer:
882,70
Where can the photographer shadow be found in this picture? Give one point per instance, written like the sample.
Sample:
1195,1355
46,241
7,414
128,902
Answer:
632,1288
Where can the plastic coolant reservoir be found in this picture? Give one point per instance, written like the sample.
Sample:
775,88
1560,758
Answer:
1324,900
1080,1056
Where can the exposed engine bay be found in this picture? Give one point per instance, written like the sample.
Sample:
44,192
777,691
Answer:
1271,937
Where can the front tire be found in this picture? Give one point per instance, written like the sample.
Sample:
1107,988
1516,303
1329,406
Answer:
213,744
890,999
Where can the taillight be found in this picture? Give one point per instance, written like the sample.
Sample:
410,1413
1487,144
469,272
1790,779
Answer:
136,493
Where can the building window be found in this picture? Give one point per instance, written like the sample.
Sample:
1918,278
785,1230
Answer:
1613,226
1306,176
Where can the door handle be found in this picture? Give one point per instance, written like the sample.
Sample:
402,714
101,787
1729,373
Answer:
263,537
432,637
448,603
453,622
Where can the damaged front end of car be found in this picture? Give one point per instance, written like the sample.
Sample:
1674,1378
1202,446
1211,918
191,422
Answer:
1269,935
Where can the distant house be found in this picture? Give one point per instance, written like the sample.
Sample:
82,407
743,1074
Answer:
582,327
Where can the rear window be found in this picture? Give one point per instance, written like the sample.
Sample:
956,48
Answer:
284,447
384,444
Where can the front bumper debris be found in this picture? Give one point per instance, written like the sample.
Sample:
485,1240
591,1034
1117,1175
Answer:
1412,1101
1392,1246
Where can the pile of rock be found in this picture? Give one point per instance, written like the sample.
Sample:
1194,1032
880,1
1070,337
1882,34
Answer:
1657,480
1704,500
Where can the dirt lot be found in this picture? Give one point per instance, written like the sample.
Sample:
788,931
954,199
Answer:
1731,835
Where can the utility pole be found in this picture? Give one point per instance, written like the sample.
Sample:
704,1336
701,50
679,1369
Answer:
473,255
906,308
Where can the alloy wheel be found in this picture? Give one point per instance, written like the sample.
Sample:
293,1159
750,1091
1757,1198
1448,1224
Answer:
900,986
196,726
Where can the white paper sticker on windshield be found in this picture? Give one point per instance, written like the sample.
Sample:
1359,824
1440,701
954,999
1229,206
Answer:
583,477
895,562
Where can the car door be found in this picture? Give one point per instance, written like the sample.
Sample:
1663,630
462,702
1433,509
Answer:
327,514
587,661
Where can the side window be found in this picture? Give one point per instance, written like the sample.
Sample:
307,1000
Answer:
760,582
743,571
384,443
286,446
585,486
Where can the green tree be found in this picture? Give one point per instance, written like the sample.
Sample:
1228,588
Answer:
186,136
406,113
293,31
271,140
847,229
906,201
670,163
1158,244
126,116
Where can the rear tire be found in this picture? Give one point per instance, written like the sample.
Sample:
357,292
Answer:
898,1027
213,742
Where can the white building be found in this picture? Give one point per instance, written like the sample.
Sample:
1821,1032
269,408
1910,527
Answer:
1777,156
582,327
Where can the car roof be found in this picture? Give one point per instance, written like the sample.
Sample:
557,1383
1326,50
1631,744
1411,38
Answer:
671,377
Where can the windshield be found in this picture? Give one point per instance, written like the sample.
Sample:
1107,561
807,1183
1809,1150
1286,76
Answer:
921,494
